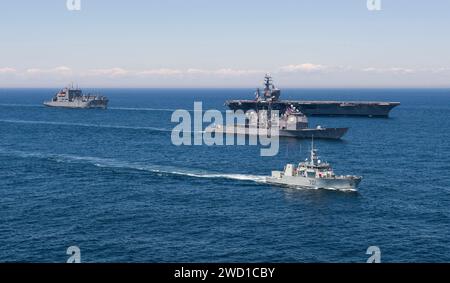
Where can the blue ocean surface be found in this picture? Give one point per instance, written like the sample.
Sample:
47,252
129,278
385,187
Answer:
111,183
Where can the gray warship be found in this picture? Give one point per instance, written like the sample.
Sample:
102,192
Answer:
311,108
70,97
292,124
313,174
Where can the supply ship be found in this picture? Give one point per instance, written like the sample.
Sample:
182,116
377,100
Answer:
271,95
70,97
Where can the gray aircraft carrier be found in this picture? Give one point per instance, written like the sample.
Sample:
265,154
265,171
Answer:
271,96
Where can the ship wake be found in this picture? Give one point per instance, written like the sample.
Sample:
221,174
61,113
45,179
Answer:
159,170
34,122
86,125
118,164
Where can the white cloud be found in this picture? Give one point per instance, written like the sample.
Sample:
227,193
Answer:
306,67
112,72
61,70
199,72
439,70
194,71
33,71
289,75
172,72
233,72
394,70
402,70
7,70
160,72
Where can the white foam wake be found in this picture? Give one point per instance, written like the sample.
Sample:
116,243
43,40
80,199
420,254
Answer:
150,109
34,122
160,170
114,163
240,177
157,169
19,105
141,109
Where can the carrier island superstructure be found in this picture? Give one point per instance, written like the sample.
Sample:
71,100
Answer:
271,95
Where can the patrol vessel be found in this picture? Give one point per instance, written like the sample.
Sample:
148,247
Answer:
313,174
311,108
70,97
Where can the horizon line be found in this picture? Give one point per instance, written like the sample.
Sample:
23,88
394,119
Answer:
231,87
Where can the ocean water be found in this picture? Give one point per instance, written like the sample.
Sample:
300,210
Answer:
111,183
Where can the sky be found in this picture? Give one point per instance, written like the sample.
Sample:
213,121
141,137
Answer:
225,43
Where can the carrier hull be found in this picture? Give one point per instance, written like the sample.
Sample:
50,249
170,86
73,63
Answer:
319,108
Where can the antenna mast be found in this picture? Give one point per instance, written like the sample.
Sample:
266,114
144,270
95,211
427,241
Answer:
313,153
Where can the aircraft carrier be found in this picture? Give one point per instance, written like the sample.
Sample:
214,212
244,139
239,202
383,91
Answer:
271,95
